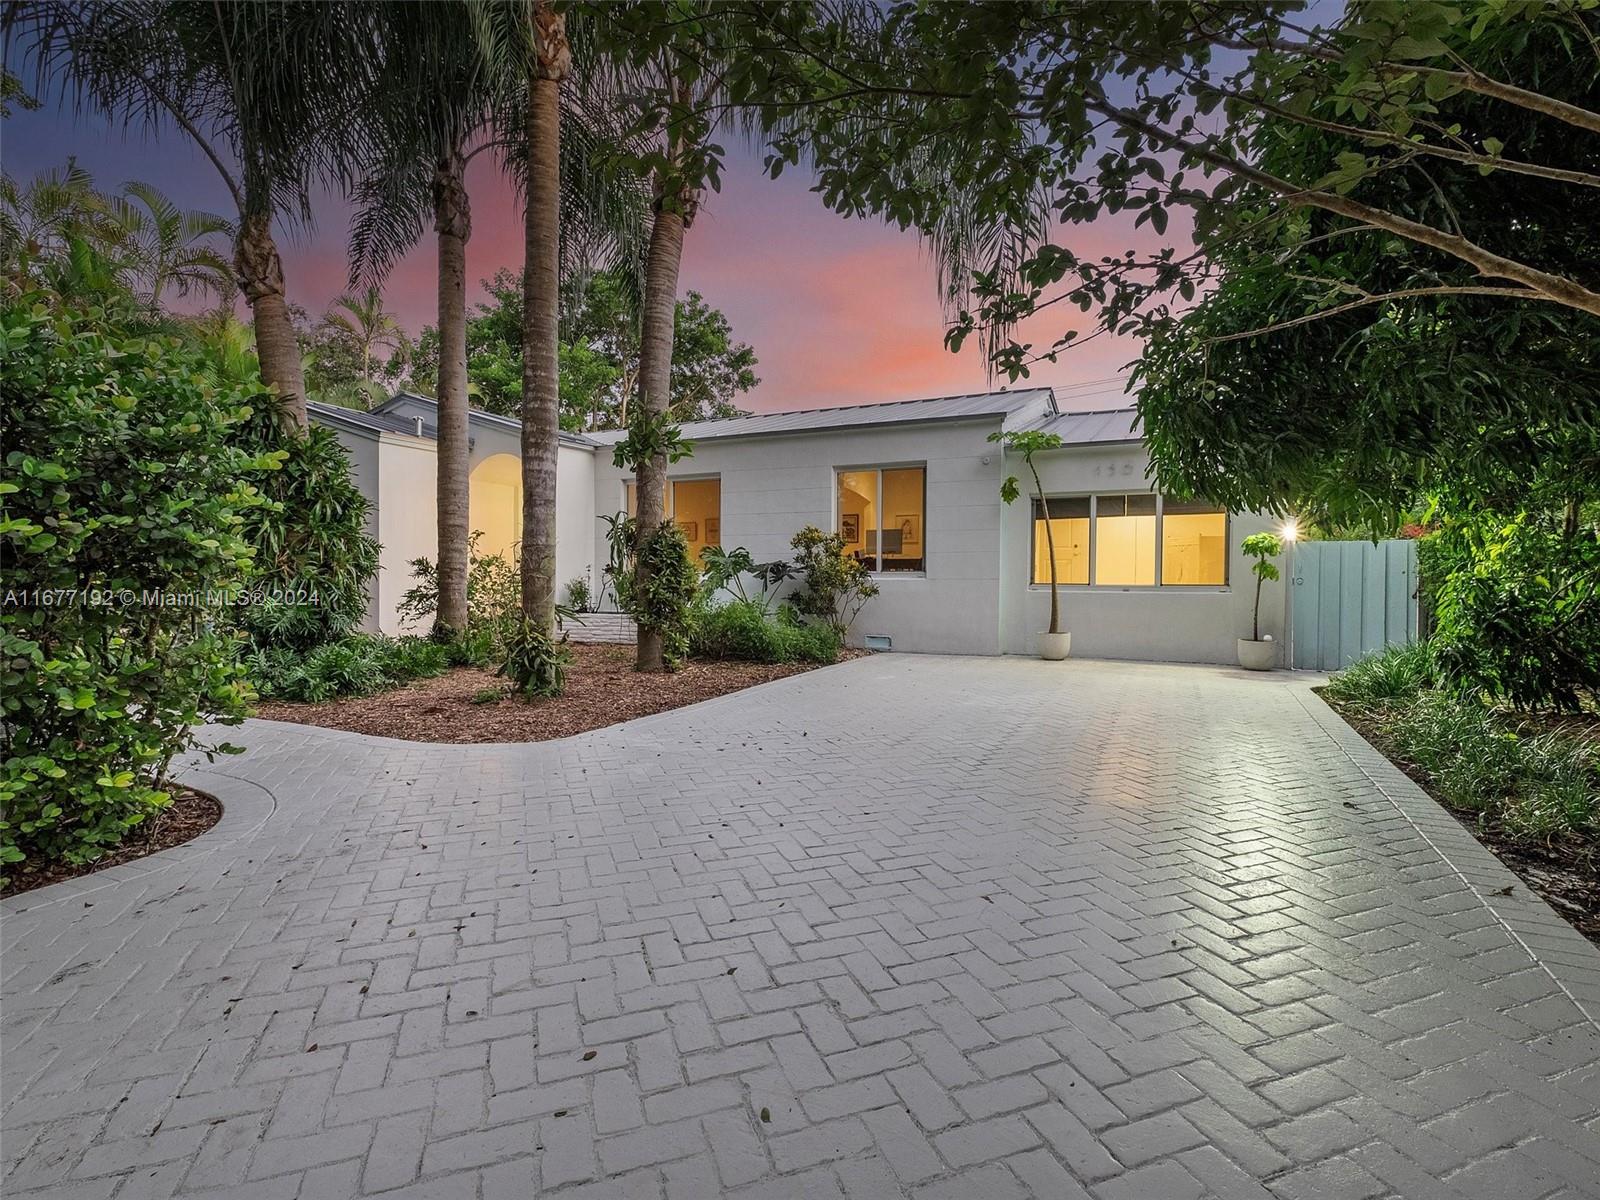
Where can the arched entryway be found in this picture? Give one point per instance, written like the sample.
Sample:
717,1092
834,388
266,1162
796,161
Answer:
496,504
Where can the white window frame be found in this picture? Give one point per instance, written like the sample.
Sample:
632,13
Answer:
1094,546
878,572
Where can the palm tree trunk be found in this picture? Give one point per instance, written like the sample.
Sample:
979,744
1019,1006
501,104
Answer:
261,276
452,219
541,293
655,392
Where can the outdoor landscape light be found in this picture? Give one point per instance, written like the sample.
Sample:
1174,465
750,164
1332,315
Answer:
1290,530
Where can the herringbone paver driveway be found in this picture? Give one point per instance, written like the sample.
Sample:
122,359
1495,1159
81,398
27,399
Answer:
918,927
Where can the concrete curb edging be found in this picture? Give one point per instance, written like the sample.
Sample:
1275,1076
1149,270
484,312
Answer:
1560,950
245,808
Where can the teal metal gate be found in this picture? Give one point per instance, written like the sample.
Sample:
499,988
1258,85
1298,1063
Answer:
1349,599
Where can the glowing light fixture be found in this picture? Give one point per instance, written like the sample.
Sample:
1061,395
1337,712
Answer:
1290,530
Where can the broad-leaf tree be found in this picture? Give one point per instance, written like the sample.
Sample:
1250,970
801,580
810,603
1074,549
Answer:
998,130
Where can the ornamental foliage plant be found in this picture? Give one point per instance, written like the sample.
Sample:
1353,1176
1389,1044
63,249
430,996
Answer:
1263,547
122,504
1028,442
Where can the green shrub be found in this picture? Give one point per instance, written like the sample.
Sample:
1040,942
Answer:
742,630
357,665
1519,613
835,587
535,662
314,559
123,486
664,603
494,603
578,598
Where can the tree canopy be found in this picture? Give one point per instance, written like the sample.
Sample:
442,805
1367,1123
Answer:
599,354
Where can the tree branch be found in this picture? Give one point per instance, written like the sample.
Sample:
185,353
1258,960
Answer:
1562,290
1403,294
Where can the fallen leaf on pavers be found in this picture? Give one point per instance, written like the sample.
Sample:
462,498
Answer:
588,1054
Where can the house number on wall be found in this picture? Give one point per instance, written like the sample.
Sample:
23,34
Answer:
1122,470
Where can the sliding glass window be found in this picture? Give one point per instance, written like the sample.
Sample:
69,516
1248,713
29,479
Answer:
880,516
1131,540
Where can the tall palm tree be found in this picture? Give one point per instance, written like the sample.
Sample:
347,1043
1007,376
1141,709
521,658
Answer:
550,63
263,88
38,218
366,323
454,88
170,247
433,101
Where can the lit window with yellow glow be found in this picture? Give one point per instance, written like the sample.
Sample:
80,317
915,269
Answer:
1068,533
880,516
1125,540
1194,543
1130,540
696,506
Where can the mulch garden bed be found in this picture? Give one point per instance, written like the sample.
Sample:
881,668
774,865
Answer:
189,815
602,689
1564,874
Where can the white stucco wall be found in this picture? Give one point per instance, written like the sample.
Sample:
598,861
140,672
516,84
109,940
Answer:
408,521
772,486
575,517
362,448
1167,624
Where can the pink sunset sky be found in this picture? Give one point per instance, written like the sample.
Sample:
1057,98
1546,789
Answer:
839,311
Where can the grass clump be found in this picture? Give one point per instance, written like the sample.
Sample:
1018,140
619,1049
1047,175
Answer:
1533,784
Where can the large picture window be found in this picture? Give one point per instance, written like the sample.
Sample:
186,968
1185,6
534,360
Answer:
881,511
1132,540
696,506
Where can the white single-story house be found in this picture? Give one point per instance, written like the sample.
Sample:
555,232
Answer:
913,486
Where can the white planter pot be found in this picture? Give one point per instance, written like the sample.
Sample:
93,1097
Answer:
1257,656
1053,647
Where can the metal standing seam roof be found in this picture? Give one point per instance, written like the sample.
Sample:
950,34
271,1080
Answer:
1109,425
376,422
475,415
809,420
1087,428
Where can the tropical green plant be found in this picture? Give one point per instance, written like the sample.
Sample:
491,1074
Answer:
663,589
365,324
1519,616
743,629
834,587
314,560
1396,674
1531,783
578,598
1029,442
274,124
617,574
494,599
535,662
1263,547
358,664
725,570
123,550
171,248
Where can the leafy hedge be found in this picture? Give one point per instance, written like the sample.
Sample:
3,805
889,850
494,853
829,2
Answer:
314,557
122,502
743,630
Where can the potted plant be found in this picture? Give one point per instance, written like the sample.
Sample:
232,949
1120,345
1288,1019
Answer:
1257,653
1053,645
